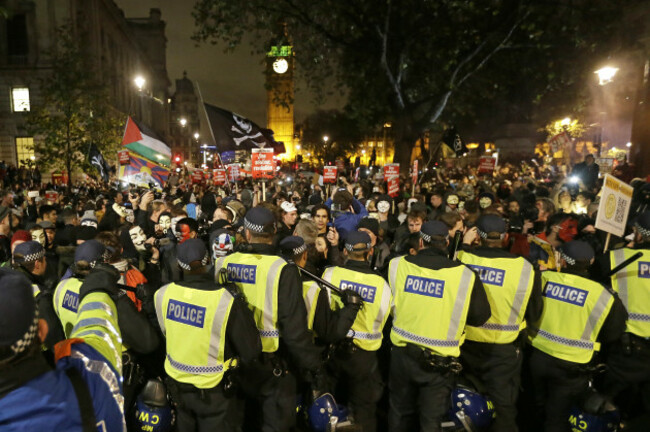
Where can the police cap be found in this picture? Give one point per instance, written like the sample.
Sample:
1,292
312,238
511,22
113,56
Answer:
576,251
28,252
191,252
292,246
489,224
259,220
432,229
642,223
90,251
357,241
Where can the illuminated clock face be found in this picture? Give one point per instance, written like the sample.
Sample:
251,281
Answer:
280,65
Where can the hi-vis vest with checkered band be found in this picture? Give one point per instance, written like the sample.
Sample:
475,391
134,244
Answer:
366,329
194,324
632,284
66,303
575,309
508,284
310,291
258,277
431,306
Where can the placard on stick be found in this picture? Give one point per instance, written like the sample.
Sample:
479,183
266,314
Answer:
614,207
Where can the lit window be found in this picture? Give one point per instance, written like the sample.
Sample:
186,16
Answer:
20,99
24,150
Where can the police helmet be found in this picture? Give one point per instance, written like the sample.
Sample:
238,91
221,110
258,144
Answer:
470,410
153,412
596,414
323,410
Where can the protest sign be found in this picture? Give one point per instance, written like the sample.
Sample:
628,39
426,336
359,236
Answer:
124,157
614,207
233,172
486,165
329,174
393,186
262,163
391,170
561,141
219,177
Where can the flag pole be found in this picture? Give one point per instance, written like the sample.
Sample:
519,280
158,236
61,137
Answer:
198,89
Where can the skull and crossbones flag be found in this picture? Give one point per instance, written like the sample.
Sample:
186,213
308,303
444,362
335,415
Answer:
453,140
234,132
97,160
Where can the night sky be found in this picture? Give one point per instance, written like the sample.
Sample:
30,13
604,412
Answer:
232,81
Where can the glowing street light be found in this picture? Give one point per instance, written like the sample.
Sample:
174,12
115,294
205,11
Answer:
183,121
139,82
326,138
297,146
196,135
606,74
566,121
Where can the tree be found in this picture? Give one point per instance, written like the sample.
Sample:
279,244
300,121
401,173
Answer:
422,63
341,131
75,110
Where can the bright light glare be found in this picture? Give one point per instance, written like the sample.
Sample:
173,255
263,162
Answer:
326,138
628,144
183,121
573,179
139,82
606,74
196,135
566,121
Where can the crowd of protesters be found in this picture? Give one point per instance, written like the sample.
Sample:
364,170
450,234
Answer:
139,230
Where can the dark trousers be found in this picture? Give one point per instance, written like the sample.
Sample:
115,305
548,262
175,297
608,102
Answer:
416,394
205,411
274,396
558,386
628,374
498,368
359,373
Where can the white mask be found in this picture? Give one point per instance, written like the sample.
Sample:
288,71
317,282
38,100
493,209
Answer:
39,236
174,221
138,238
165,223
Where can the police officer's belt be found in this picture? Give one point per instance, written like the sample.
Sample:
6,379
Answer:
432,362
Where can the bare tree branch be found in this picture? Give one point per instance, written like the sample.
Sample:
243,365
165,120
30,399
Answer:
384,58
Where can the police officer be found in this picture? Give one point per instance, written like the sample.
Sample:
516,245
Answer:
328,325
273,291
629,359
434,298
492,351
356,361
137,332
579,315
29,259
207,329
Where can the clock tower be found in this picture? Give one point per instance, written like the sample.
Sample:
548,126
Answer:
279,93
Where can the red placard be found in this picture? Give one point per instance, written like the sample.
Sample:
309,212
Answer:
393,186
391,170
329,174
197,177
51,195
414,172
561,141
486,165
124,157
233,172
219,177
262,163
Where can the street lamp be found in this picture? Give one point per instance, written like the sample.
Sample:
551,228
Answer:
606,74
205,151
325,138
566,121
139,82
196,135
183,121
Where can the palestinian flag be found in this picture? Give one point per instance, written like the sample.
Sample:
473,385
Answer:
144,142
143,172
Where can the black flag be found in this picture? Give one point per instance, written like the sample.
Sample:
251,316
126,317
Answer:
97,160
454,141
234,132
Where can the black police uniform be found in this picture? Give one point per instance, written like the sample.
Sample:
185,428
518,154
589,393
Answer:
413,388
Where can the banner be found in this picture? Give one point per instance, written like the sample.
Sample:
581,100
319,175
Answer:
124,157
233,172
219,177
614,207
97,160
141,171
391,170
393,186
262,163
486,165
329,174
207,175
605,165
144,142
414,172
561,141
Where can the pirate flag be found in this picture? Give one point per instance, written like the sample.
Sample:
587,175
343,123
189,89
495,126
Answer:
454,141
97,160
234,132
